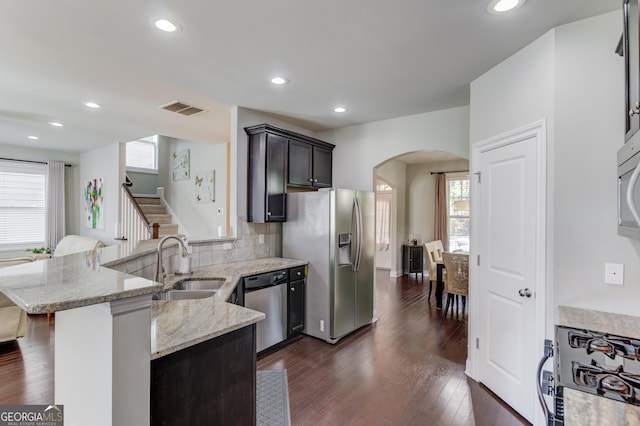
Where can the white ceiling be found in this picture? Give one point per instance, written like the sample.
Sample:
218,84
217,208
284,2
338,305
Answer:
379,58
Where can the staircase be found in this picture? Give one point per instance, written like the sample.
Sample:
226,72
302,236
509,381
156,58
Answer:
156,212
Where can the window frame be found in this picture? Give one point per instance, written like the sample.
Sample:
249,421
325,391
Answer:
25,168
460,176
152,140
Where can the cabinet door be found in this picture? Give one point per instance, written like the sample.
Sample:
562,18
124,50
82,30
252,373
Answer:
300,164
416,259
321,167
632,68
296,307
276,201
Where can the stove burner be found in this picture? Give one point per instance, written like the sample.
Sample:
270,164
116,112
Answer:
604,381
608,344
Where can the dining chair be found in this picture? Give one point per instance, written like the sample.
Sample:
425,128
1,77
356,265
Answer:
433,252
456,281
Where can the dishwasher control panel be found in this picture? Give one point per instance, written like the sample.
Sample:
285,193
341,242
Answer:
256,282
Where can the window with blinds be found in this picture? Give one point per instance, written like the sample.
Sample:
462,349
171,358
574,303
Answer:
142,155
22,205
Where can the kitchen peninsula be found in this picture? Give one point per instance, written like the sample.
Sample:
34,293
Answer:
108,330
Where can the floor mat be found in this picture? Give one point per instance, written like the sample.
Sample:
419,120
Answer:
272,398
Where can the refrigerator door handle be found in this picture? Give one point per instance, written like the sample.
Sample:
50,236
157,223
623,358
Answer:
357,230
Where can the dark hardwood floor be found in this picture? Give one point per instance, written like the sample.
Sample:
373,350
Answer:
407,369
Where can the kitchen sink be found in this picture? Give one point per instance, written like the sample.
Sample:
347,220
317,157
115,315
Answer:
184,294
192,284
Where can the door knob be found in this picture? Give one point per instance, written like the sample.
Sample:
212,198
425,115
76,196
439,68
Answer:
525,292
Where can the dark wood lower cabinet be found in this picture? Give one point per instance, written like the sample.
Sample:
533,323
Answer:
211,383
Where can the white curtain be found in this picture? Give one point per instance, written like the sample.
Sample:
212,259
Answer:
55,204
383,213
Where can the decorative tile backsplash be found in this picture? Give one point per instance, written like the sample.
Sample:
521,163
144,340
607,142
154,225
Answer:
245,247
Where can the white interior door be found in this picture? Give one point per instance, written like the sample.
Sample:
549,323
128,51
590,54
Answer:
510,194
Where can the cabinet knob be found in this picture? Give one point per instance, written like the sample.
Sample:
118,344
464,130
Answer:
268,213
315,180
293,289
299,273
310,179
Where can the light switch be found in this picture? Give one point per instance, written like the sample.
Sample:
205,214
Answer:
614,273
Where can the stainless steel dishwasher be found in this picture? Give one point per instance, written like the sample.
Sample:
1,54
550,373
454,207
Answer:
267,293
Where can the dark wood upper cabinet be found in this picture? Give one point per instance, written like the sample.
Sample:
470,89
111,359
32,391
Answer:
267,199
322,167
281,160
309,165
300,163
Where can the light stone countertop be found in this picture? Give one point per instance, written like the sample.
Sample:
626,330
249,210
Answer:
598,320
83,279
178,324
69,282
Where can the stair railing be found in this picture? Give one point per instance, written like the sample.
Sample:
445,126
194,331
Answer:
135,225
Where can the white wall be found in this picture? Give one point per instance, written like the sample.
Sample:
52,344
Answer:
200,220
584,175
571,77
143,183
102,163
394,173
376,142
421,193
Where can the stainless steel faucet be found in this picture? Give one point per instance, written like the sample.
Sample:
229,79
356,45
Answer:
160,273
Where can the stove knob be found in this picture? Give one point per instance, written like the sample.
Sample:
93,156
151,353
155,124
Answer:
525,292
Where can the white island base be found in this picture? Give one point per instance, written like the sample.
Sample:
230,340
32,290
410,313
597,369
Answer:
102,362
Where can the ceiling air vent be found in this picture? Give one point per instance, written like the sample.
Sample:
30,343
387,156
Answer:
182,108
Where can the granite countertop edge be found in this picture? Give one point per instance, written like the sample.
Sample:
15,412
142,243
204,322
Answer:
179,324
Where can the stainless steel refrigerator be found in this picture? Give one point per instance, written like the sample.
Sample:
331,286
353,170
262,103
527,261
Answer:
334,229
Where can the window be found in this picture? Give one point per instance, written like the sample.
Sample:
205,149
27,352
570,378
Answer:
458,211
22,205
142,155
383,216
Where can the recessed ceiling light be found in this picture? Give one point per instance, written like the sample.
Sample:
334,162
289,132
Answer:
339,109
165,25
500,6
35,138
279,80
92,105
56,124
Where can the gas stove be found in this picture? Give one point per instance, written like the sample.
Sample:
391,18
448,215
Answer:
595,363
599,363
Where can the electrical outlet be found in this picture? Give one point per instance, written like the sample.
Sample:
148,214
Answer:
260,238
614,273
227,246
322,326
